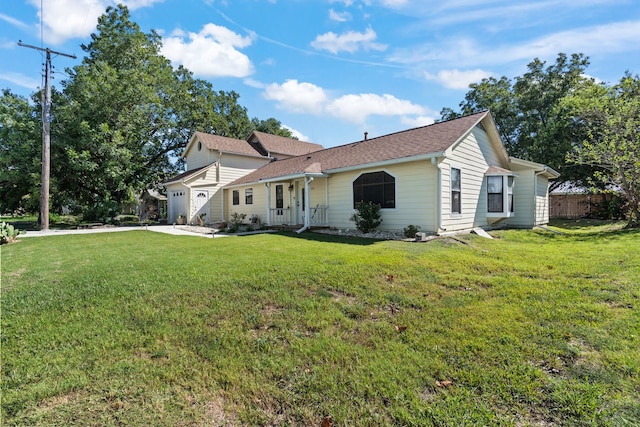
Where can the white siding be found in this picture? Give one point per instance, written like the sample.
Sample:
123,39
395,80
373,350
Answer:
258,207
416,197
198,158
531,199
472,156
177,201
542,200
229,167
523,199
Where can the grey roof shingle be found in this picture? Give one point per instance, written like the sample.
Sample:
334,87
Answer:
225,144
434,138
282,145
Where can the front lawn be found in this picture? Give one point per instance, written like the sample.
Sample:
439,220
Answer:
142,328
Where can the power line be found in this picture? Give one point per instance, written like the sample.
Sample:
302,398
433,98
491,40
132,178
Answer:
46,132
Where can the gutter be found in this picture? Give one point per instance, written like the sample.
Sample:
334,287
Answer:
389,162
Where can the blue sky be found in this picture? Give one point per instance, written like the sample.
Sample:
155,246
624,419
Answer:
333,69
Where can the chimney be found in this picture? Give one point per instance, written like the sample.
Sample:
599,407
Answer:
366,134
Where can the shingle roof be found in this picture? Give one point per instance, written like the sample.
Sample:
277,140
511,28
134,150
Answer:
282,145
186,175
225,144
432,139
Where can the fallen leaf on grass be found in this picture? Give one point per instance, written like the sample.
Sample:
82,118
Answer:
444,383
399,328
390,278
327,421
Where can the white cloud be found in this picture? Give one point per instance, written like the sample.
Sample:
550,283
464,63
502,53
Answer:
13,21
356,108
213,52
299,97
608,38
296,133
21,80
254,83
339,17
347,3
456,79
418,121
67,19
458,53
394,3
302,97
350,41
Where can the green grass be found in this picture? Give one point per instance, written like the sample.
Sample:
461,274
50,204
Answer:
139,328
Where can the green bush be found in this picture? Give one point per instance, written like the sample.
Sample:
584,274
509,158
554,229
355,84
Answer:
411,230
8,233
236,220
367,217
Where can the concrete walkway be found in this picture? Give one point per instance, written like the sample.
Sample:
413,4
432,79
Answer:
177,230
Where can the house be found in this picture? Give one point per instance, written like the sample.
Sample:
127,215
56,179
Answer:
445,177
150,205
214,161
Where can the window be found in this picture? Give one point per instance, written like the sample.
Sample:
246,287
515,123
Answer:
495,194
456,191
236,197
375,187
248,196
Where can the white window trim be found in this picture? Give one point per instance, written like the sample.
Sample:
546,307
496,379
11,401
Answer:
395,184
506,212
455,215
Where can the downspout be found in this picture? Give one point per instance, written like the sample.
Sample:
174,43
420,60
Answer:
437,164
326,200
307,208
223,192
268,187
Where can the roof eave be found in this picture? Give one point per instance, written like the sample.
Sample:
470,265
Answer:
389,162
282,178
190,177
538,167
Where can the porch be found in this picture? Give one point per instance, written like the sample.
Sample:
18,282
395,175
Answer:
286,216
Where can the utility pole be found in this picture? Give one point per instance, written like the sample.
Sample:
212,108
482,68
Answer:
46,133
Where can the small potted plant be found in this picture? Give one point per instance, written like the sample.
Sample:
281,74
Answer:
181,220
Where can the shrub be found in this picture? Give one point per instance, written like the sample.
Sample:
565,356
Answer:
8,233
236,221
367,217
411,230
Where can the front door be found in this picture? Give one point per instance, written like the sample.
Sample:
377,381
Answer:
300,202
200,204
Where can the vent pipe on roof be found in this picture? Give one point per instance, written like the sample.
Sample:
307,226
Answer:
366,134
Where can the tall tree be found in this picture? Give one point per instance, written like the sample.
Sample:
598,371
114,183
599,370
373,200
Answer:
20,153
127,114
611,116
272,126
528,111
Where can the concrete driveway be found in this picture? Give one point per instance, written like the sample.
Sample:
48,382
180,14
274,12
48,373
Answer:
177,230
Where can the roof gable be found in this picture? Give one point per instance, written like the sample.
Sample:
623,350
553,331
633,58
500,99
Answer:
268,144
221,143
432,140
188,175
